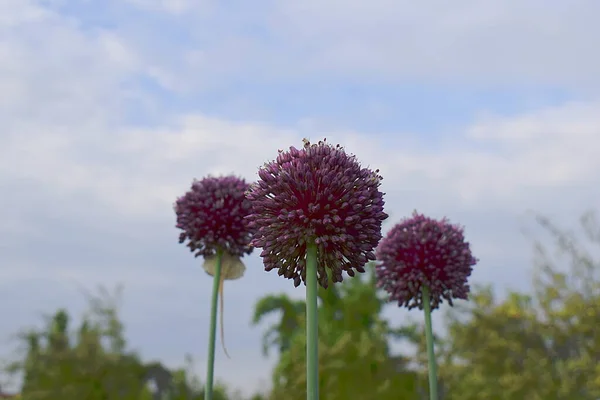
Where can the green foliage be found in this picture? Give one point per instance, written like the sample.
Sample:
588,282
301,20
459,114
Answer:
90,364
354,359
279,335
544,345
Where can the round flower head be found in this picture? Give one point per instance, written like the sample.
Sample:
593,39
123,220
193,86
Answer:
316,194
212,215
422,251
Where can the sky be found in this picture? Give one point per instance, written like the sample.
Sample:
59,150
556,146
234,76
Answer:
478,111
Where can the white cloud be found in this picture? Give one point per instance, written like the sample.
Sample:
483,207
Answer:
198,45
469,41
553,149
55,70
176,7
14,12
491,43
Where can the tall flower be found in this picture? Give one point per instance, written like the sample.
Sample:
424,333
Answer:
212,217
316,212
316,194
422,262
423,252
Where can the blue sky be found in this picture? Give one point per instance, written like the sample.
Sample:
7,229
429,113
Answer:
479,111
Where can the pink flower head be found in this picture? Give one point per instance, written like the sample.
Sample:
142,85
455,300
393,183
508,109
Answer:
316,194
422,251
212,215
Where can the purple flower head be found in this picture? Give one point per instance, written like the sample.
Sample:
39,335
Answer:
212,215
422,251
316,194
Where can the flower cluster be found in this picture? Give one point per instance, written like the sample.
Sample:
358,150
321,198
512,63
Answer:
212,215
322,195
422,251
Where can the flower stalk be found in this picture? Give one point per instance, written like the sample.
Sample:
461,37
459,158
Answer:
312,338
432,364
212,333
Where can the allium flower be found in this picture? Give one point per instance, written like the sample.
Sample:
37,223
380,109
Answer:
422,251
321,194
212,215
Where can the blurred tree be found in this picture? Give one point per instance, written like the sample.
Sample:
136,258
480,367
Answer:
543,346
187,386
354,356
279,335
92,363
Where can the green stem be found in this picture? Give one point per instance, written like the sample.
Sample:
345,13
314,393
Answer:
210,369
433,382
312,338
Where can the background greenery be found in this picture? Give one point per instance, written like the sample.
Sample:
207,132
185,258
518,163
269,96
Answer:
541,345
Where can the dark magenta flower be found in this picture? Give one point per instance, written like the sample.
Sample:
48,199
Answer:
422,251
212,215
316,193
